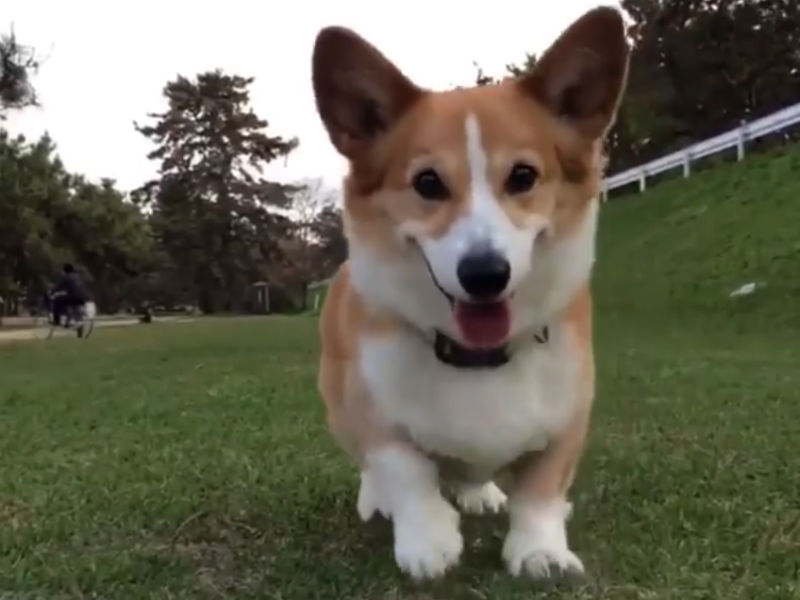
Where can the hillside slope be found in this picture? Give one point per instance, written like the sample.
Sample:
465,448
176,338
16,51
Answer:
677,251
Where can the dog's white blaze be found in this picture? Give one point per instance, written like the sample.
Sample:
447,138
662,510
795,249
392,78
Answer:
484,225
485,219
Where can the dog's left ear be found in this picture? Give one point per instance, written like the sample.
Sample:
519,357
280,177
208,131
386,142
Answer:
582,76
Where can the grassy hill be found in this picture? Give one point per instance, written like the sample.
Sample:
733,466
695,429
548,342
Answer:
679,249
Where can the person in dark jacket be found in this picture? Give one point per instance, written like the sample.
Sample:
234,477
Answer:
70,293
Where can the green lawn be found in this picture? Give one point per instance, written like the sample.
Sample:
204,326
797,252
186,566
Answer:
192,461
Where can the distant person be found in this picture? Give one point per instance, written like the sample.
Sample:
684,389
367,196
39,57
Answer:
70,293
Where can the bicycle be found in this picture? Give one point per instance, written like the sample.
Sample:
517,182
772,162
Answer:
81,318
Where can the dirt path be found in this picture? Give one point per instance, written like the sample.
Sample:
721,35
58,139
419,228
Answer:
35,333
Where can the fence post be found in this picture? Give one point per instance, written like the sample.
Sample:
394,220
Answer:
687,164
604,192
741,131
642,180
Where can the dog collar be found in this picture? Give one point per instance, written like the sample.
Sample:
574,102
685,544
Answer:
450,352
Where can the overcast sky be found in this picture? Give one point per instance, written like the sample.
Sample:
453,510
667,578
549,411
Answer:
105,63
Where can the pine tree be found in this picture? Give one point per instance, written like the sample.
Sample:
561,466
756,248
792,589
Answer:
212,209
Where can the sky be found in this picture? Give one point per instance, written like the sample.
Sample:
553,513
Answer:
105,63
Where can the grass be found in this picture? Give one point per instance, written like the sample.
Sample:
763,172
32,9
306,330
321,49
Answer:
192,460
678,250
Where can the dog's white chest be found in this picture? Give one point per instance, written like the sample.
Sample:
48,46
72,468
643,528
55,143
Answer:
484,417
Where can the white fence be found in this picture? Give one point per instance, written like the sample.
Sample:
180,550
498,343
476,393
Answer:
736,138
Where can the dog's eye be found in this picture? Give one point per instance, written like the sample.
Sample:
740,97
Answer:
430,186
520,179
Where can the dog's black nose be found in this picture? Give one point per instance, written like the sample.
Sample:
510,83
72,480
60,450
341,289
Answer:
484,275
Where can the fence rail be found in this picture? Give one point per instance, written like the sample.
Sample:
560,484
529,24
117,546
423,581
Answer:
736,138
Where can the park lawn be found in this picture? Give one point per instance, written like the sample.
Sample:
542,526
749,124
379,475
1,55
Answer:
192,461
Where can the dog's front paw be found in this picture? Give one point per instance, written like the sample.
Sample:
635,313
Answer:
537,542
537,558
477,499
427,540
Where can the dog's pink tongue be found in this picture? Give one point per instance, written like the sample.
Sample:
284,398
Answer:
483,325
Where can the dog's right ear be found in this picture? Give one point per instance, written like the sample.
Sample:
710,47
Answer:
359,92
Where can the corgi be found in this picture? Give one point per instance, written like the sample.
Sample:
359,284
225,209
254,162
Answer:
456,340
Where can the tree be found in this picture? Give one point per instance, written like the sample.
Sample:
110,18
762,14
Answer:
309,200
331,243
17,63
48,216
644,120
108,236
32,187
512,70
213,212
701,66
698,68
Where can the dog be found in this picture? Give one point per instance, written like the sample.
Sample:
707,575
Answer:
456,340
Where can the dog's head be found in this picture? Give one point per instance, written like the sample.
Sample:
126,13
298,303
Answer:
472,211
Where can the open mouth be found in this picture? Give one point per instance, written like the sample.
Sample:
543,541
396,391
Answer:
483,324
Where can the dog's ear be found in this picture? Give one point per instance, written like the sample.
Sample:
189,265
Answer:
359,92
582,76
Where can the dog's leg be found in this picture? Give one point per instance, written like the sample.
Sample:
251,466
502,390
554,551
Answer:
479,498
402,483
537,538
538,508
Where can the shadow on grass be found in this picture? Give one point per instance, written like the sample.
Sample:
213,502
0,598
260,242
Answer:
328,552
